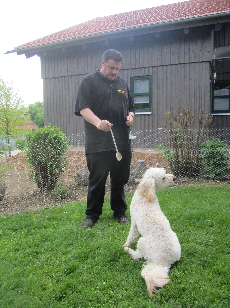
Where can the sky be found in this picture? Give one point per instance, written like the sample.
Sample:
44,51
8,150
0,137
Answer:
25,20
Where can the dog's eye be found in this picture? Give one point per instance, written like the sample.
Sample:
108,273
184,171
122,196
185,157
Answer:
163,179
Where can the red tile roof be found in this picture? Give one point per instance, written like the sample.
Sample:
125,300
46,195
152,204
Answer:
28,125
157,15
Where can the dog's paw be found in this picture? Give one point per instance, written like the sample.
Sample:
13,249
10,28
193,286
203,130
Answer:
126,248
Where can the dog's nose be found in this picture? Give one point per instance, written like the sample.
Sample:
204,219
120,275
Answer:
174,178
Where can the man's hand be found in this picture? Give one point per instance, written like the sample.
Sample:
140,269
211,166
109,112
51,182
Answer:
90,117
104,125
129,120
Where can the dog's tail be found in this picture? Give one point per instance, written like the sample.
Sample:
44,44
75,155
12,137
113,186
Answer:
155,276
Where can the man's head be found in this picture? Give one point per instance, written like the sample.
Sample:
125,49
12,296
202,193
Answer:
111,63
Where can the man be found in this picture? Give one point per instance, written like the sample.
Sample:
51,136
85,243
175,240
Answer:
105,102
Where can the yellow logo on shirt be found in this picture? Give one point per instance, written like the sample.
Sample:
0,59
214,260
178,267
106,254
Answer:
120,91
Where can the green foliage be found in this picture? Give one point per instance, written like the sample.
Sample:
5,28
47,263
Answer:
214,159
36,112
186,133
45,152
20,144
5,147
3,169
12,112
47,259
60,192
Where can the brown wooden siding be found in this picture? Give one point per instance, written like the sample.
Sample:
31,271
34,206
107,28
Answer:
222,37
221,121
174,86
179,63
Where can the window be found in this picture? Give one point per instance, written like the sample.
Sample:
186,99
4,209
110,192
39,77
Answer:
221,97
141,89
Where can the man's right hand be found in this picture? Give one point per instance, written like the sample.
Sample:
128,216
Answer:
104,125
90,117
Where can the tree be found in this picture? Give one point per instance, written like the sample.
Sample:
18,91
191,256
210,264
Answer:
12,112
36,112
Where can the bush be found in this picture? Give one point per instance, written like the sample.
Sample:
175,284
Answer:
45,152
3,169
60,192
20,144
214,159
185,134
5,147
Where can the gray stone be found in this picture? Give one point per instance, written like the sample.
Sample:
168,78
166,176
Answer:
81,178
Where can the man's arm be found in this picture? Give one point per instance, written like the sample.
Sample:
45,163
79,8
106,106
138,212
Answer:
90,117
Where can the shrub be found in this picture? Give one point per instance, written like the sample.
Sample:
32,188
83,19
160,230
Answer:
60,192
214,159
3,169
20,144
45,152
5,147
185,134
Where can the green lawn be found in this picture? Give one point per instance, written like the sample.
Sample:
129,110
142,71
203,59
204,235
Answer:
47,260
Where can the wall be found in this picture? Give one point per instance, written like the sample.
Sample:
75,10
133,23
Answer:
179,63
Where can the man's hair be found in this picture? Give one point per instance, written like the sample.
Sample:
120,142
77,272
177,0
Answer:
112,54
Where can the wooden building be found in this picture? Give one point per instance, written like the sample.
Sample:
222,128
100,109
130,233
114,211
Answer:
176,55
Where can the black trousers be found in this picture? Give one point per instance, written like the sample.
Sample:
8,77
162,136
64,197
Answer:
100,165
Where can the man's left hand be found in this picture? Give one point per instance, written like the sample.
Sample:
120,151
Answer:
129,120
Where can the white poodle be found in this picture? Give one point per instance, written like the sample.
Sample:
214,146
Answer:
158,244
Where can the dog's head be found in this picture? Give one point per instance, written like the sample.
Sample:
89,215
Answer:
153,180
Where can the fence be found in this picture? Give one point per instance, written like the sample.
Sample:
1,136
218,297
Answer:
151,139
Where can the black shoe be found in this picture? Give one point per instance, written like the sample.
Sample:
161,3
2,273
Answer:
123,220
88,223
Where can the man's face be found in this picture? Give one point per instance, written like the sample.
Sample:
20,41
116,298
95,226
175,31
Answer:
110,69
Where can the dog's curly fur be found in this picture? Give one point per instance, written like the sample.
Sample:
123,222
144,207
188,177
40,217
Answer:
157,244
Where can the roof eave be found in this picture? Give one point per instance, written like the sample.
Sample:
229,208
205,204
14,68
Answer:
142,29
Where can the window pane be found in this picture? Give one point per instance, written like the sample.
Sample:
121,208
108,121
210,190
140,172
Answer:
141,102
221,92
141,91
221,96
141,86
221,104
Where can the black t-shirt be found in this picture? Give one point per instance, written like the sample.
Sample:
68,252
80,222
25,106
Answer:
108,100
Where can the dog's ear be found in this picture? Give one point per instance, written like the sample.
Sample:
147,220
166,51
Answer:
147,189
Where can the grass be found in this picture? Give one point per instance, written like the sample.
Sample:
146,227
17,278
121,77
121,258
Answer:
48,260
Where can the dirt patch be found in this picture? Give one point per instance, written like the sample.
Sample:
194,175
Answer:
22,194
